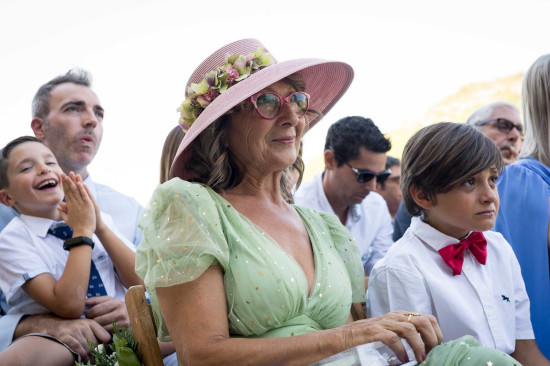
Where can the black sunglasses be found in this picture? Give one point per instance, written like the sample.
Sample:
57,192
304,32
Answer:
503,125
364,176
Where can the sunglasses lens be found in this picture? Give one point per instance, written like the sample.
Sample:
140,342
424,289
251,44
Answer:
268,104
504,125
381,178
365,177
299,103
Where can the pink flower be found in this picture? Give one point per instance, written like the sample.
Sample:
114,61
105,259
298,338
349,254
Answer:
232,74
214,93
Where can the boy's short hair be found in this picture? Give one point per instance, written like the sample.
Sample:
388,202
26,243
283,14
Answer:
6,151
440,156
346,136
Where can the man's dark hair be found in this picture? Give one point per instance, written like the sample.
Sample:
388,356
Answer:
440,156
41,100
346,136
390,161
5,160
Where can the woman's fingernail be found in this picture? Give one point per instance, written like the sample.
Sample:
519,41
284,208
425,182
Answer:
407,358
423,357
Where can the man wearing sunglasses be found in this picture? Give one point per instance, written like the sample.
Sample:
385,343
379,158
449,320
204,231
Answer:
500,121
355,161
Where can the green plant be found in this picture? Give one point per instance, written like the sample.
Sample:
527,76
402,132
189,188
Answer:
123,351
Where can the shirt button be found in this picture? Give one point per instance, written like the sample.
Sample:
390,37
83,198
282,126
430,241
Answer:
490,313
467,266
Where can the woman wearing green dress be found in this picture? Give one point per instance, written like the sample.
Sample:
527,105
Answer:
236,274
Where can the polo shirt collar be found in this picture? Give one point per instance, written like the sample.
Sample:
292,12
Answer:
38,225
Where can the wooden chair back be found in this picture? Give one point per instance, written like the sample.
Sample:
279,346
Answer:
358,310
143,326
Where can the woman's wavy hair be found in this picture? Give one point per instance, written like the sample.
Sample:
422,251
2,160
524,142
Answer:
212,162
169,150
536,111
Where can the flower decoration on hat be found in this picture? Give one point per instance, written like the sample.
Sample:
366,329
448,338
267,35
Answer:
236,68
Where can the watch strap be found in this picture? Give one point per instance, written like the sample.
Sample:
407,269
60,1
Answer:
78,241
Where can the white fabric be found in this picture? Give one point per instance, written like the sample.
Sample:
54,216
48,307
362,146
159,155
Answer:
369,222
124,210
27,251
413,277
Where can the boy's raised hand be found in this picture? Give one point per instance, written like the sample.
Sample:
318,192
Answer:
78,210
99,224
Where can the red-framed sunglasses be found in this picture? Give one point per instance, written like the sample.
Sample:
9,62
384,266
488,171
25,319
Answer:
269,105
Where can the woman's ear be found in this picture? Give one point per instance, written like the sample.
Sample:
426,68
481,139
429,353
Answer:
420,197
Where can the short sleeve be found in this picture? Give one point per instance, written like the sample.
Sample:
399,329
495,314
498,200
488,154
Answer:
182,238
182,235
349,252
20,261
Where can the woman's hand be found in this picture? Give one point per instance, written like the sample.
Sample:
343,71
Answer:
420,331
78,209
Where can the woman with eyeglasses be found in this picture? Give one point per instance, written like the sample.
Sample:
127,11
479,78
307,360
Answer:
236,274
524,190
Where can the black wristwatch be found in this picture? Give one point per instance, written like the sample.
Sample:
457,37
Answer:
77,241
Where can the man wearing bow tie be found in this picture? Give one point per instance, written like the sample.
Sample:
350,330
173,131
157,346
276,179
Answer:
448,263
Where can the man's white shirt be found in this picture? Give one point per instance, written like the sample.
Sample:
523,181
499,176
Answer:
369,222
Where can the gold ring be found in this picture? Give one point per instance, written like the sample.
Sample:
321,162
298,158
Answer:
409,315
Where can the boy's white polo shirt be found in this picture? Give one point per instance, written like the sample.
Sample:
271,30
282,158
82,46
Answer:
487,301
28,251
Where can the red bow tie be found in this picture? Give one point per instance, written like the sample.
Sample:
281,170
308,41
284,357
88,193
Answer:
453,254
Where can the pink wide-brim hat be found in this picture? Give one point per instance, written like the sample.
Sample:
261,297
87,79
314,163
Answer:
325,81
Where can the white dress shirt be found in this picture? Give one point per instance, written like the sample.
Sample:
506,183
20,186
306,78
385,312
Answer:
369,222
487,301
28,251
125,212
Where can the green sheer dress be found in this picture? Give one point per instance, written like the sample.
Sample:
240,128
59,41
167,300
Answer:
188,227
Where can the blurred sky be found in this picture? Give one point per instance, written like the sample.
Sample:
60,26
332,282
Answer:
407,55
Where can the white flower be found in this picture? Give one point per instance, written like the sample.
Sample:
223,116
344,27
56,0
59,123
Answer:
100,348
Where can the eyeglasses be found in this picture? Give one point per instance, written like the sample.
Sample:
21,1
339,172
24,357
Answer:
364,176
503,125
269,105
